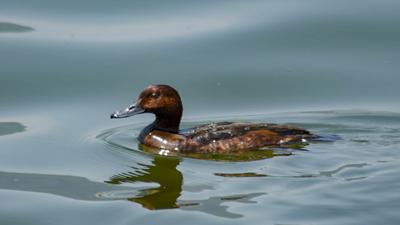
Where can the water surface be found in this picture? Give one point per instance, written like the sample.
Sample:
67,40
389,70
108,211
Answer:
329,66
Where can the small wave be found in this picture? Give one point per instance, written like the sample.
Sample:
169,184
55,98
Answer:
7,128
6,27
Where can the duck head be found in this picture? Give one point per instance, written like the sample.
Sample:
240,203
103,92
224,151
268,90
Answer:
161,100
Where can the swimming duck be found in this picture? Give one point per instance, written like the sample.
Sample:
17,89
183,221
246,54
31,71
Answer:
221,137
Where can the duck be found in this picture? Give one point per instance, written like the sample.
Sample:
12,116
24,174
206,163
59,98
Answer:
218,137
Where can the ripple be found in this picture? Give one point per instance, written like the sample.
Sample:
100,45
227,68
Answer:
6,27
332,126
248,174
7,128
213,205
67,186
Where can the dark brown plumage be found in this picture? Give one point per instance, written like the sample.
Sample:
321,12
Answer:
223,137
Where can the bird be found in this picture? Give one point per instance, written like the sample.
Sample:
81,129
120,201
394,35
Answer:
222,137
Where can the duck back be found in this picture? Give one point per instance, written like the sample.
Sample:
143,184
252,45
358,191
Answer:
230,137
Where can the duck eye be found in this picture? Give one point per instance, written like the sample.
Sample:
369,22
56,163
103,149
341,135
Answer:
154,95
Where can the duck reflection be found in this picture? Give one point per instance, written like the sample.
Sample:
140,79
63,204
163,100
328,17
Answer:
170,180
164,172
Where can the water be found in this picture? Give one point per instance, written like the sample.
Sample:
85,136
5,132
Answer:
328,66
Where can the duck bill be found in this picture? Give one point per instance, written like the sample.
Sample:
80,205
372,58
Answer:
130,111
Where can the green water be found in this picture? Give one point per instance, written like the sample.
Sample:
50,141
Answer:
329,66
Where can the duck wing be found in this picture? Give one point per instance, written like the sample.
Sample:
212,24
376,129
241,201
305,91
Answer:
230,136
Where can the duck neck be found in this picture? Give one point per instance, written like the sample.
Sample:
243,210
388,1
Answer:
168,124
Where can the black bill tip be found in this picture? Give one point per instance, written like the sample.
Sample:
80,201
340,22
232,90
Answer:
113,115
